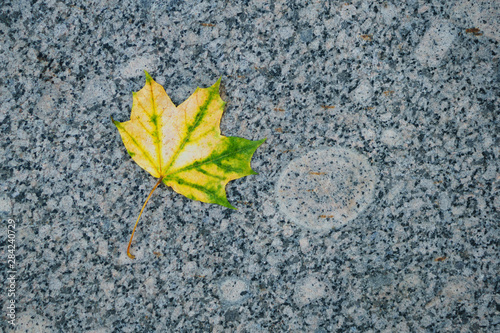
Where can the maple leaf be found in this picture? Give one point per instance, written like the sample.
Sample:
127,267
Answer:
182,146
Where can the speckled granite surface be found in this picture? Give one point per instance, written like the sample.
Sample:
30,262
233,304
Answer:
404,87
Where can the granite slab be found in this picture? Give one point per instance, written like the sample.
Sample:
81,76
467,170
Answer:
377,203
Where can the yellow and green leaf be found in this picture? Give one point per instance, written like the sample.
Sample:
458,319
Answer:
182,146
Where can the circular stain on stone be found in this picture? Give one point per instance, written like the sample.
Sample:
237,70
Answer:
234,290
326,188
308,290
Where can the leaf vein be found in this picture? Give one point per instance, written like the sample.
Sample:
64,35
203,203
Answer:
158,136
144,152
195,186
204,162
198,120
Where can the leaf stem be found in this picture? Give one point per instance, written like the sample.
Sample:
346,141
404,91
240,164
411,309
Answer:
131,256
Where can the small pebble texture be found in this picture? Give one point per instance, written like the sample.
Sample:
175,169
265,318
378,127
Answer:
401,96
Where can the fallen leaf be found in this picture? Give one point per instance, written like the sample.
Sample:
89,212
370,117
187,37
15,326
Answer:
474,31
367,37
182,146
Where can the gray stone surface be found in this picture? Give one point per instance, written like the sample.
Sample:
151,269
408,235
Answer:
403,84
